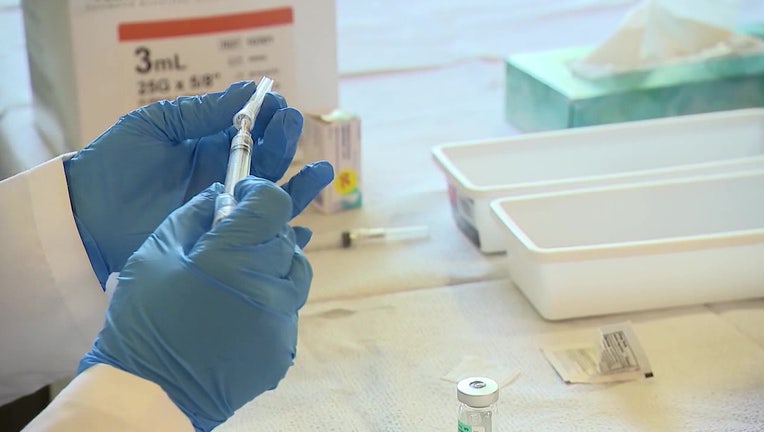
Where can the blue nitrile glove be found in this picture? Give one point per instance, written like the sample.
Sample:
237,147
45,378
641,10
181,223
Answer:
157,157
210,315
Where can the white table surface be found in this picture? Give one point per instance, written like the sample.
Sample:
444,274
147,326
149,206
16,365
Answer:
384,323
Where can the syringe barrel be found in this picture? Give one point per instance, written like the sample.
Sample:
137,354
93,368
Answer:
224,205
389,234
238,160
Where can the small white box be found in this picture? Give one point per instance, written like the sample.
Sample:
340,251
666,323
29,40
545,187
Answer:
639,246
336,138
479,172
91,61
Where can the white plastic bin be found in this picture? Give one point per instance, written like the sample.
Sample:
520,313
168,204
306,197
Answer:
639,246
479,172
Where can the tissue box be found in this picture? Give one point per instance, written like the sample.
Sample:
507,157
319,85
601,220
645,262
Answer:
542,93
335,137
91,61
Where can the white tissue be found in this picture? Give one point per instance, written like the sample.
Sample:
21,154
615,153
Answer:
663,32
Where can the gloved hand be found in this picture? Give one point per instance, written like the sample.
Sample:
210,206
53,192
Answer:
157,157
210,315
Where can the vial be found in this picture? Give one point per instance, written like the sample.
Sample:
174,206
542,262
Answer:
477,404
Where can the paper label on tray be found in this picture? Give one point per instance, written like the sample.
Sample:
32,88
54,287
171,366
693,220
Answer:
462,205
618,356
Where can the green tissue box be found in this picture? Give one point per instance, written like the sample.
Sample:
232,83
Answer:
542,93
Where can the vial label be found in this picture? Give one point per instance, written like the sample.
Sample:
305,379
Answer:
163,59
464,427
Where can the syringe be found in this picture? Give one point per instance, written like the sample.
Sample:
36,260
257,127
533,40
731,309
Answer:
241,149
358,236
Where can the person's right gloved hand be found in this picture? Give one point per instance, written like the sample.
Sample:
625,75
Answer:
211,315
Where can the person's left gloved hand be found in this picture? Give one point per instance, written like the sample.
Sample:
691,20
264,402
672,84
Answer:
157,157
210,315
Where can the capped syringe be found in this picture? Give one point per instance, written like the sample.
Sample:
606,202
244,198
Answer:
358,236
241,149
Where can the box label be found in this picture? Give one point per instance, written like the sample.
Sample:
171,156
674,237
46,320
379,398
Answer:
163,59
336,137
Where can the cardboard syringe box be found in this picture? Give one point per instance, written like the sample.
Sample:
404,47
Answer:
92,61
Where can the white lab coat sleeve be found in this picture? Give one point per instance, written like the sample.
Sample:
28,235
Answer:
103,398
51,304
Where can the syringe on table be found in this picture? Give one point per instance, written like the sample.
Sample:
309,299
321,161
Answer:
241,149
358,236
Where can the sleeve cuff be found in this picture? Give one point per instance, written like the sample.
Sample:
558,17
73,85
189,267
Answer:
62,246
106,398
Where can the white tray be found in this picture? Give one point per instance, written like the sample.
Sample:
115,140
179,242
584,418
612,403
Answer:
479,172
639,246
